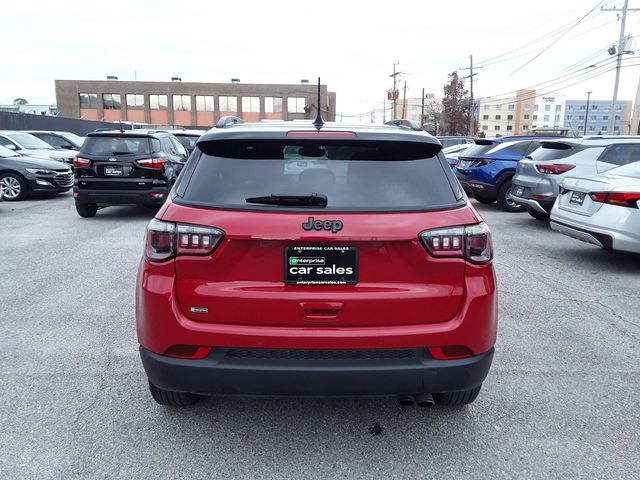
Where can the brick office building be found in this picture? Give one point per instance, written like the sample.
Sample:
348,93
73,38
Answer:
189,104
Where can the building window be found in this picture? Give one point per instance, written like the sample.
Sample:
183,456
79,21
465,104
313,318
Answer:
547,108
617,117
525,128
296,104
485,127
88,100
526,116
535,117
250,104
487,107
204,103
592,128
569,107
158,102
135,101
605,117
485,117
546,118
558,108
568,117
509,128
273,104
228,104
498,117
511,106
111,101
581,117
181,103
498,107
594,117
497,127
509,117
594,107
536,106
527,107
583,107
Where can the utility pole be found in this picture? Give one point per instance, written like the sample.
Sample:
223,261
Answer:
404,101
395,92
625,9
422,110
472,105
586,115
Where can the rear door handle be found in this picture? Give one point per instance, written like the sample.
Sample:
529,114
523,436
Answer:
321,310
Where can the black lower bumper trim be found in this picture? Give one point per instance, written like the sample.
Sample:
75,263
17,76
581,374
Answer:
120,197
225,372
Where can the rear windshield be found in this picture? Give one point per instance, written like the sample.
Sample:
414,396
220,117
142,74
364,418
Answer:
117,145
188,142
550,151
354,176
479,149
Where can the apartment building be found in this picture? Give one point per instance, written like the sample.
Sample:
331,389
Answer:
596,118
508,115
189,104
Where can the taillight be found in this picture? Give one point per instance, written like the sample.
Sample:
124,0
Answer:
81,162
452,352
623,199
472,242
154,163
554,169
192,352
195,240
165,240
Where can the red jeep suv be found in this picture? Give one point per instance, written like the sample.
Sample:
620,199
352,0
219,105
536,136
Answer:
295,260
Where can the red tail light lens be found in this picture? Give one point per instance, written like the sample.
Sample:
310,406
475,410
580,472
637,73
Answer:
622,199
165,240
452,352
153,163
472,242
554,169
81,162
192,352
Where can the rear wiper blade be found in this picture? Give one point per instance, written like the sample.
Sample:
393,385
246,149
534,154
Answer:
120,153
312,200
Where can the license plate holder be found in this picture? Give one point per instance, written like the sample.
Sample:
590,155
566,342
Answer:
577,198
321,265
113,171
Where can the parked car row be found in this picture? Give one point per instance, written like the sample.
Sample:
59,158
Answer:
587,187
26,167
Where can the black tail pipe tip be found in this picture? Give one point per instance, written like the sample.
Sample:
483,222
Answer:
406,400
425,400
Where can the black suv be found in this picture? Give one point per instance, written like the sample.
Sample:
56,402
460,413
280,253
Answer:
116,168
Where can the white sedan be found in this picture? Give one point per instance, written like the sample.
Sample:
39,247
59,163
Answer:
602,210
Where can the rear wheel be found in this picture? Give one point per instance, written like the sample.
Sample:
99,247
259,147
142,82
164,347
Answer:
171,398
505,202
457,399
13,187
483,199
538,215
86,210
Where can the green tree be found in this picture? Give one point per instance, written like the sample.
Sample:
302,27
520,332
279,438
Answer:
455,107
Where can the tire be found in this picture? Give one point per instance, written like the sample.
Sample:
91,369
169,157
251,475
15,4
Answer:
457,399
538,215
504,202
172,399
86,210
13,187
480,198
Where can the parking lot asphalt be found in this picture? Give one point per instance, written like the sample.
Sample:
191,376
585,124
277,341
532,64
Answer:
561,400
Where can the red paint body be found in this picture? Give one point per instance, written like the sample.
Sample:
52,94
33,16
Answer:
404,298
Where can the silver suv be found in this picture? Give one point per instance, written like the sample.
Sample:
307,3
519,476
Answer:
539,175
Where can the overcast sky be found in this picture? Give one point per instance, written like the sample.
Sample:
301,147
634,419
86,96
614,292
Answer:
352,45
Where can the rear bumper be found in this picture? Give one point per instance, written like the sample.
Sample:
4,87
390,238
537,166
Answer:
120,197
542,206
251,372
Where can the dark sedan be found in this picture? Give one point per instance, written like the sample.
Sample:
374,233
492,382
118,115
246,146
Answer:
21,176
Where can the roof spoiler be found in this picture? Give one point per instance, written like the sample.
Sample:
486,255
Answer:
228,121
404,122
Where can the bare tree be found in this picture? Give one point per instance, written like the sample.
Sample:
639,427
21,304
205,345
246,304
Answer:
455,107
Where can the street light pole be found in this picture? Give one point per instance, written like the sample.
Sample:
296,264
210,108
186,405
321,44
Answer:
586,115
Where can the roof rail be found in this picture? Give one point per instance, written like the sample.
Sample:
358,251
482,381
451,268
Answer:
228,121
404,122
